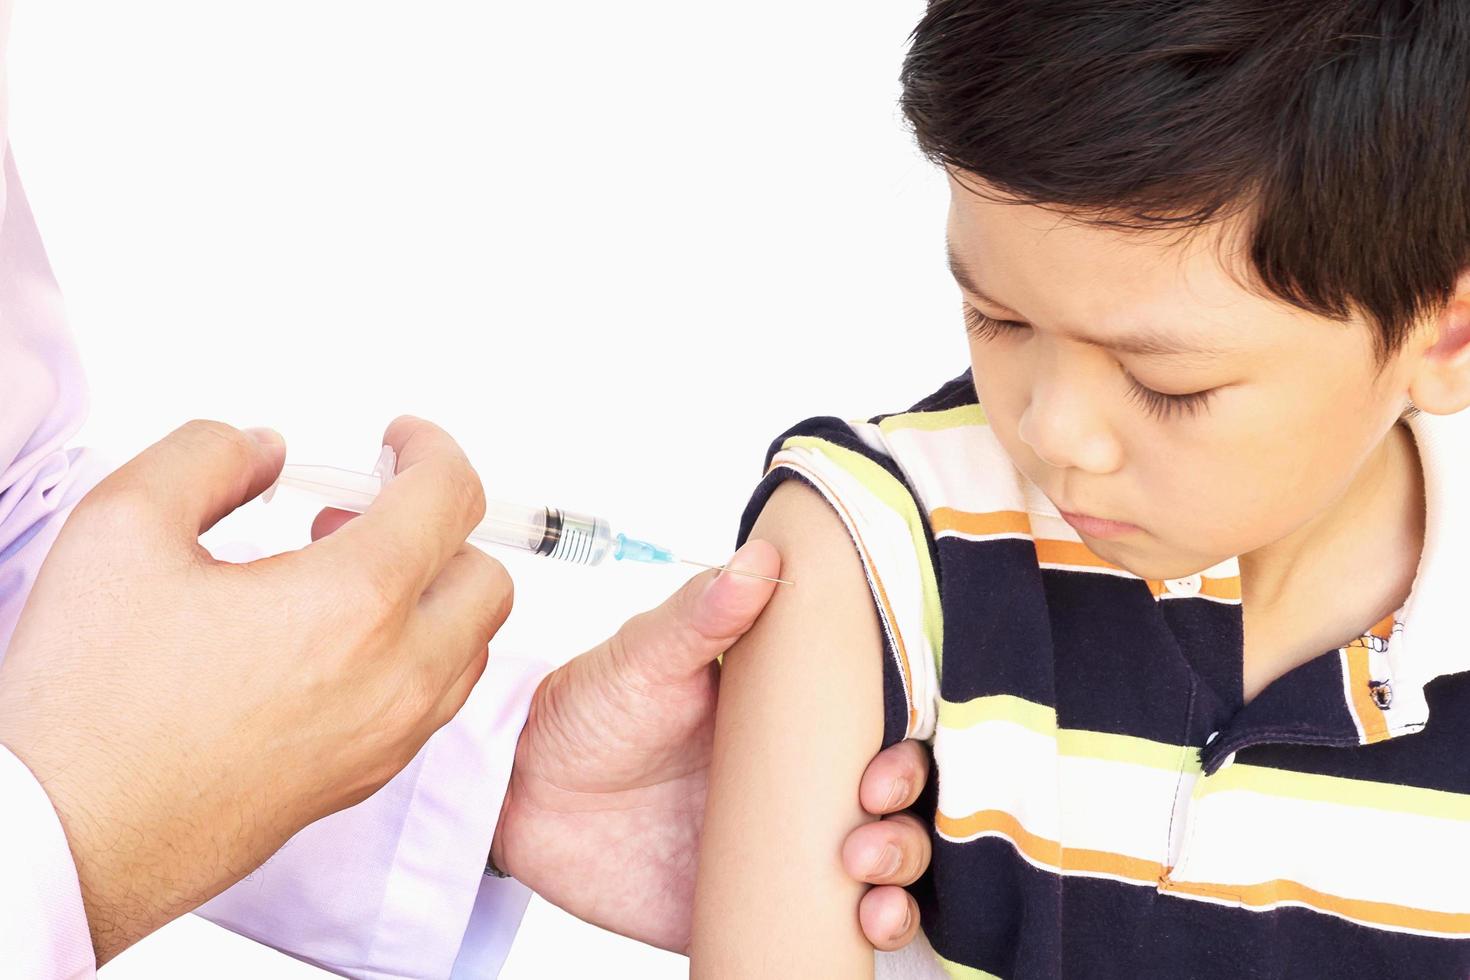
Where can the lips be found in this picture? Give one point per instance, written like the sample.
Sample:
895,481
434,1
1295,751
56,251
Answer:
1098,527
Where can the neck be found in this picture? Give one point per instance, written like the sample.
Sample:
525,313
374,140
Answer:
1297,599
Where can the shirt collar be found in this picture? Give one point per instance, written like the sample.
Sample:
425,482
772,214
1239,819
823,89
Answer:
1433,640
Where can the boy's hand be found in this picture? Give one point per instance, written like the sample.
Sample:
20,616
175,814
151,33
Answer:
606,800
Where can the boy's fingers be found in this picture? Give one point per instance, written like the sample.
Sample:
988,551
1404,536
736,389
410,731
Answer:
424,514
894,851
895,778
889,917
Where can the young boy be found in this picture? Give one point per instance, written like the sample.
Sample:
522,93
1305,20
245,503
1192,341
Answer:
1170,576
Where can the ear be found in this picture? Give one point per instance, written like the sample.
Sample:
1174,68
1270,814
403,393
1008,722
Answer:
1441,380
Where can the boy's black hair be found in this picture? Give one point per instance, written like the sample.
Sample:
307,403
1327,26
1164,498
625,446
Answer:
1341,127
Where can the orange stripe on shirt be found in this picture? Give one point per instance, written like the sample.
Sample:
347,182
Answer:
1052,550
1383,629
1262,895
1049,852
1039,849
1271,893
943,519
1221,588
1369,715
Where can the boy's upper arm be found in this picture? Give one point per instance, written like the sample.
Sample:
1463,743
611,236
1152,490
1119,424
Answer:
800,717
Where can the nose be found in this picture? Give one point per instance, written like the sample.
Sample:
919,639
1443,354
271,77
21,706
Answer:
1063,426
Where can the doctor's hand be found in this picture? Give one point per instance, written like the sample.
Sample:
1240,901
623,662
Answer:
606,799
186,716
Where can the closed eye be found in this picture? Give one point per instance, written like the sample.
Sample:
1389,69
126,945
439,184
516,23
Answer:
1162,406
982,327
1156,403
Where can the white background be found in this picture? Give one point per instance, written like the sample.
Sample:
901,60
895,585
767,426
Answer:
614,248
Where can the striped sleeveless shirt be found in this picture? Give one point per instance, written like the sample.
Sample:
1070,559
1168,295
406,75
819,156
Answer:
1104,805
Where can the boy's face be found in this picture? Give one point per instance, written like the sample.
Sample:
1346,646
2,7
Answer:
1059,311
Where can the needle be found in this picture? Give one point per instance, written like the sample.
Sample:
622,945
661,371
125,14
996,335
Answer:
736,571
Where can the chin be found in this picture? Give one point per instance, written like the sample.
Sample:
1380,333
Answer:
1148,563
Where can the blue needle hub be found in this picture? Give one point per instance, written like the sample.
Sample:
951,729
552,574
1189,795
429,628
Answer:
631,549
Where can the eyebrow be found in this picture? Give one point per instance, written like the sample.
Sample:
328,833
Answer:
1146,342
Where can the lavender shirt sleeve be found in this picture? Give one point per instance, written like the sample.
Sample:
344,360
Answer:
395,886
43,928
391,887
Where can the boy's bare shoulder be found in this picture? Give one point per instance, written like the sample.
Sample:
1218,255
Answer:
797,513
829,598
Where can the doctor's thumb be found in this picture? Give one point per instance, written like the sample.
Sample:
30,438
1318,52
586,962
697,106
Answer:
704,618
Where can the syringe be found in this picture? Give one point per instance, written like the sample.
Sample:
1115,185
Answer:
577,538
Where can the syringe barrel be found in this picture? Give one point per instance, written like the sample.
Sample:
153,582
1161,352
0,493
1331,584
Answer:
577,538
512,525
570,536
566,535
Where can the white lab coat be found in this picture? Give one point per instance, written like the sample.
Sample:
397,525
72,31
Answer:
393,887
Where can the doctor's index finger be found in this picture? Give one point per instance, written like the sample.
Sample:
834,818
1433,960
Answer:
421,517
